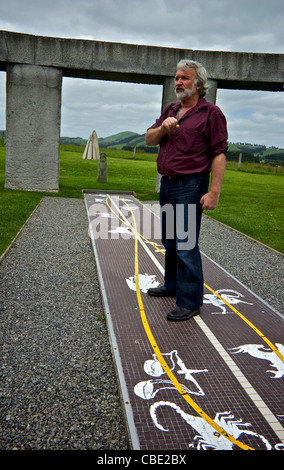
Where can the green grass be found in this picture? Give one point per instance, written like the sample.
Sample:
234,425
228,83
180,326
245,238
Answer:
259,168
123,173
253,204
251,199
15,208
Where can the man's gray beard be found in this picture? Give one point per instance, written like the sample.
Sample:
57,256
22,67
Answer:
182,95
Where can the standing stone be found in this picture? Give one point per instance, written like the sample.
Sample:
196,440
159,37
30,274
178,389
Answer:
92,151
33,114
102,173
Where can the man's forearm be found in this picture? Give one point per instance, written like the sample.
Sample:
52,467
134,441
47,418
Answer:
210,200
217,173
154,136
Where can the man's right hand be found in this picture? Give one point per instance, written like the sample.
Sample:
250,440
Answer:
154,136
170,124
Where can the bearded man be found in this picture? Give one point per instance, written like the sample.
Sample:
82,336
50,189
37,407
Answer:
192,135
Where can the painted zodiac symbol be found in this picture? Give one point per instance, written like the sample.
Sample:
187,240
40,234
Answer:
148,389
260,352
231,296
207,438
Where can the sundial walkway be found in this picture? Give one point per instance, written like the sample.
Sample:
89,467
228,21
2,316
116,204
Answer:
212,382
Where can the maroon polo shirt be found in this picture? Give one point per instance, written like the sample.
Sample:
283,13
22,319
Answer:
202,134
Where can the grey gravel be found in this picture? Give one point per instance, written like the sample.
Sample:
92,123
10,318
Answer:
58,383
255,265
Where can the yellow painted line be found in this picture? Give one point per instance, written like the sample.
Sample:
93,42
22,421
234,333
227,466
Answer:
155,347
130,226
219,430
251,325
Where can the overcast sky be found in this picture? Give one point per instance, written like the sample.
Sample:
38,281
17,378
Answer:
110,107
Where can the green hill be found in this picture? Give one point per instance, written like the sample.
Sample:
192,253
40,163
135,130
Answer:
123,139
250,152
128,140
73,141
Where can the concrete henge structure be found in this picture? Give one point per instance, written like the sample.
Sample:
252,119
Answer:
35,65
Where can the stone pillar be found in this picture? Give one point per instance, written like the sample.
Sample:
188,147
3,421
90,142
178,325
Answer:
169,97
33,115
102,172
212,91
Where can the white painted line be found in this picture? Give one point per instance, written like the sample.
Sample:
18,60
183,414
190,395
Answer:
252,393
150,254
245,384
255,397
115,350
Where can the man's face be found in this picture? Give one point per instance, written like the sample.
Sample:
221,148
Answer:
185,85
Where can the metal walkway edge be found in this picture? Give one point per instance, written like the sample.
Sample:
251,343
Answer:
212,382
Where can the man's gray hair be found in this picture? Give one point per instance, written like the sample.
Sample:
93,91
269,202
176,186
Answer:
200,73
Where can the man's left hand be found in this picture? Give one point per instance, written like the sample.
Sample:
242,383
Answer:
209,201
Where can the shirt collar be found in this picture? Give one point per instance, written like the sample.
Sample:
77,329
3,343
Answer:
200,104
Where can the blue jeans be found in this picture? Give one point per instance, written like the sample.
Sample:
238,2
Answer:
179,201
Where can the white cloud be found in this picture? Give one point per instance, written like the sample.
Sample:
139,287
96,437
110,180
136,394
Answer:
242,25
255,117
108,107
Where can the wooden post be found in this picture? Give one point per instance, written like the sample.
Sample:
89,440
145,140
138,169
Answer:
240,160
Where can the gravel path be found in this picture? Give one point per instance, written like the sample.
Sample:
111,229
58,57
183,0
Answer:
255,265
58,384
